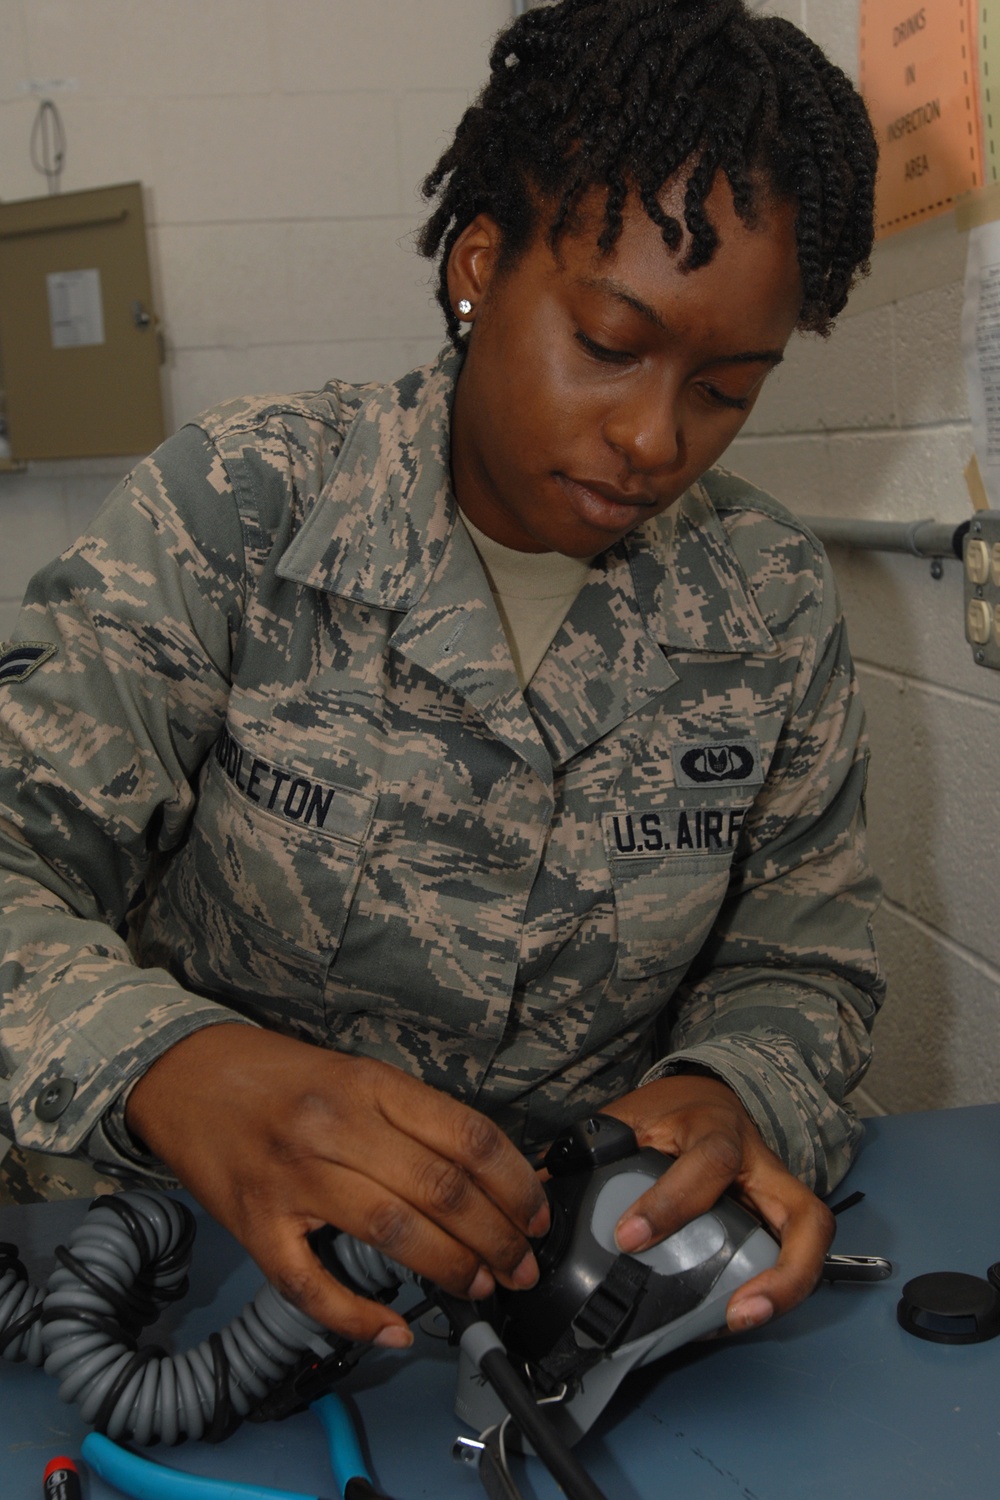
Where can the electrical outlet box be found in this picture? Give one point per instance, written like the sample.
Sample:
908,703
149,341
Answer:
981,553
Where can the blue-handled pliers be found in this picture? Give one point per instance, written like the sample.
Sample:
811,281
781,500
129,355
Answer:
149,1481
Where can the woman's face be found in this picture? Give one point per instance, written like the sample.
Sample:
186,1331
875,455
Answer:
596,387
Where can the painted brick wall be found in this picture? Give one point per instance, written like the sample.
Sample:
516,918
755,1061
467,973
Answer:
874,424
280,143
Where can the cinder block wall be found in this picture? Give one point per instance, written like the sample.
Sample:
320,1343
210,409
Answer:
280,141
874,424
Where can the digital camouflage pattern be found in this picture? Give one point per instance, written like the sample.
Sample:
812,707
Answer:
40,1177
282,728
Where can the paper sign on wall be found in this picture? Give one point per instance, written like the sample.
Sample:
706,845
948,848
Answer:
919,76
981,347
76,308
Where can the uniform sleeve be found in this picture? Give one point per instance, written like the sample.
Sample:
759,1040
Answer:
111,694
782,998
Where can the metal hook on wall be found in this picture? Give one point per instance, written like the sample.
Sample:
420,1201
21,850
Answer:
48,144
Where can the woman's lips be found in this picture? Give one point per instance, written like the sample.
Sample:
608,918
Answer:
604,507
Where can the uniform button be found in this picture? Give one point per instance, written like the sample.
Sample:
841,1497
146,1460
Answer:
54,1099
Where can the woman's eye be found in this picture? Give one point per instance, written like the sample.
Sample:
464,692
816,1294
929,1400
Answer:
602,352
719,398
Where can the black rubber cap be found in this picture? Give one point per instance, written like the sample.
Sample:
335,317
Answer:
948,1307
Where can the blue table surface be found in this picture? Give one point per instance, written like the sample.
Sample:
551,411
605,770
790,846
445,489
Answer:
833,1401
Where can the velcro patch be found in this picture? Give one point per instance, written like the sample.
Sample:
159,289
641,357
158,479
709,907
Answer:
684,830
18,662
729,762
290,795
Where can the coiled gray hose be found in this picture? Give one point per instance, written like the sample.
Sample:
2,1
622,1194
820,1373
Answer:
369,1270
19,1326
123,1265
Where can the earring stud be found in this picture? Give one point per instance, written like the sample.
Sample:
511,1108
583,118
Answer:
464,307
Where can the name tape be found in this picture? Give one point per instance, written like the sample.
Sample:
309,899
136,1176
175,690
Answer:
297,798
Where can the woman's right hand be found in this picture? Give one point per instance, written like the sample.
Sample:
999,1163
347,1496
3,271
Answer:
276,1137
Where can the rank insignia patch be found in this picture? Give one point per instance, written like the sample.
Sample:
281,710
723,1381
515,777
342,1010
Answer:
19,661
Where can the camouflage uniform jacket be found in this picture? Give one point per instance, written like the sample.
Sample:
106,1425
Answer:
267,704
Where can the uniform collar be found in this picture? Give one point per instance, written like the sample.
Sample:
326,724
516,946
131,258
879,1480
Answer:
385,513
692,591
383,519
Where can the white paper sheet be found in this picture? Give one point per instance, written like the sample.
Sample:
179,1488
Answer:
981,348
76,308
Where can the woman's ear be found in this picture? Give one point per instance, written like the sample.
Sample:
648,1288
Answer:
472,264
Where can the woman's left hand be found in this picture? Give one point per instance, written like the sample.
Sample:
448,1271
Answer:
702,1123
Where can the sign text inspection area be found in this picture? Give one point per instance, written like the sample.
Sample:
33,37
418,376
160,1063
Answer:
919,78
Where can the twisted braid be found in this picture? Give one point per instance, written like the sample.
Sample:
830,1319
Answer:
623,95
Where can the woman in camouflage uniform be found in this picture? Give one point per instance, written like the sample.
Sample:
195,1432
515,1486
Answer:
469,754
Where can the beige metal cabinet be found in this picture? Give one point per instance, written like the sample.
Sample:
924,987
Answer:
78,335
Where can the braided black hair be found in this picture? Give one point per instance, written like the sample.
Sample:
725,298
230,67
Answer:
623,94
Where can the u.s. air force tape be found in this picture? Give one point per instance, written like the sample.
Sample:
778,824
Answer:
673,830
19,661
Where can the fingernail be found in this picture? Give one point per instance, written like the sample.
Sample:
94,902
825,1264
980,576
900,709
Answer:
527,1272
633,1234
541,1223
482,1285
752,1312
394,1337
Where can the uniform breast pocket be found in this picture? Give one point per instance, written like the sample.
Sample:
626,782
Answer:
273,877
670,865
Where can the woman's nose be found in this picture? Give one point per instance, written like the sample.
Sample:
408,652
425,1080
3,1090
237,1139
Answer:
646,427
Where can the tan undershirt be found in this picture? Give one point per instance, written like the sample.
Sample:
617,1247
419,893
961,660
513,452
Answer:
533,592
